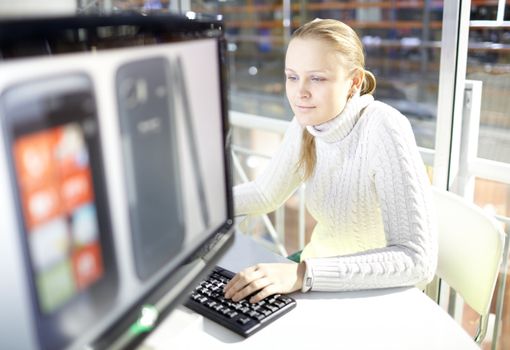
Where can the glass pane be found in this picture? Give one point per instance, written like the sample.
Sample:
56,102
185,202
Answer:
484,10
256,51
493,196
402,43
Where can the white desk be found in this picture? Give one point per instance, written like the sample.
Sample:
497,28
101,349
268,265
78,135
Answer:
400,318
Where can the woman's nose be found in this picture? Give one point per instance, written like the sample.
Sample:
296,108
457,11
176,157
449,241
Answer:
303,91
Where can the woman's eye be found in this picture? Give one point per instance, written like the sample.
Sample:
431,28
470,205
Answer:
291,77
317,79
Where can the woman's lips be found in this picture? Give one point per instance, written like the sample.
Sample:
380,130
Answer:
305,108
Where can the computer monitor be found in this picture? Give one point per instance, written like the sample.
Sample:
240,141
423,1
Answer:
114,174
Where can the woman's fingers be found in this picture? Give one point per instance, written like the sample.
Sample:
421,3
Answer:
251,288
265,292
241,280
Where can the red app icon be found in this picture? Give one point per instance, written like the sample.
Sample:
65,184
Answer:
87,265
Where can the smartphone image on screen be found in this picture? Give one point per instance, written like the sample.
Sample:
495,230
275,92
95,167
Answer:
147,122
52,135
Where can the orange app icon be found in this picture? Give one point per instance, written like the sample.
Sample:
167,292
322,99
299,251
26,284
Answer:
34,160
41,205
76,190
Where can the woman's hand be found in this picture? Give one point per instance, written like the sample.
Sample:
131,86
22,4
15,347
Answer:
266,279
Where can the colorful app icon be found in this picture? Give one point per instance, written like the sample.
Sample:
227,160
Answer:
41,205
55,286
49,244
33,159
70,151
76,190
87,265
84,225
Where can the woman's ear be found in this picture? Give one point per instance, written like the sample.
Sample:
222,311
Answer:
357,78
356,82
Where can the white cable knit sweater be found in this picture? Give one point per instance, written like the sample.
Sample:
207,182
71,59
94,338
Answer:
369,194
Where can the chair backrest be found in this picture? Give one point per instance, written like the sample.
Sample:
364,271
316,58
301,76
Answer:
470,249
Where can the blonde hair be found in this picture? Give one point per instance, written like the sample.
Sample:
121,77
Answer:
344,40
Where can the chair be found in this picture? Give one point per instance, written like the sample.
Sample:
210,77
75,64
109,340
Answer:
470,251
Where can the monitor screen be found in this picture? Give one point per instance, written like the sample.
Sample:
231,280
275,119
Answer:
114,166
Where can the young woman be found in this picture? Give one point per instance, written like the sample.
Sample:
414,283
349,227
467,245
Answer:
366,184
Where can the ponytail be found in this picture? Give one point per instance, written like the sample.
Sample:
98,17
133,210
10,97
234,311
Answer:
369,83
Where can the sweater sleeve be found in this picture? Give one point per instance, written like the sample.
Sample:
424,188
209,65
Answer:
403,191
277,181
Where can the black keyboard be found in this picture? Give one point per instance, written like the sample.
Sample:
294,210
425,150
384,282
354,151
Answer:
242,317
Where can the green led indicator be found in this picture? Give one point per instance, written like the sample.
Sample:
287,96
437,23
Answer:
147,320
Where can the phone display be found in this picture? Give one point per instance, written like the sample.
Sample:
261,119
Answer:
54,145
57,196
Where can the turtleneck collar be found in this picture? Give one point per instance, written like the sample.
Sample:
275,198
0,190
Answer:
339,127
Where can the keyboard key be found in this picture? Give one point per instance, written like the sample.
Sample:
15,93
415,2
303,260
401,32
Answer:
287,300
272,308
243,320
266,312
